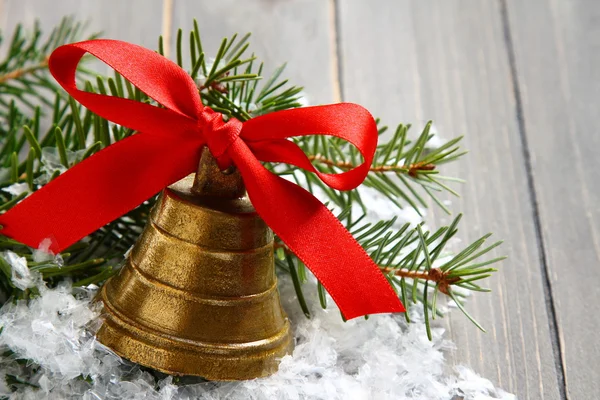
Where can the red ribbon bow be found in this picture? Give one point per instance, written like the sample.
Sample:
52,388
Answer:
125,174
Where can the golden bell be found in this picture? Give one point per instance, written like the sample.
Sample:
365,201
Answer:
198,293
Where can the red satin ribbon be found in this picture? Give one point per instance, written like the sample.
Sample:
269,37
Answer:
122,176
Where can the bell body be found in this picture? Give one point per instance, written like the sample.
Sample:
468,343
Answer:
198,293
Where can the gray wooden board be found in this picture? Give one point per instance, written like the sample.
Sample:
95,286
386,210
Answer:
292,31
447,61
557,51
137,21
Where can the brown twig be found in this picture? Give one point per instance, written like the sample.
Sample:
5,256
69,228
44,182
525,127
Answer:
411,169
216,85
18,73
434,275
219,87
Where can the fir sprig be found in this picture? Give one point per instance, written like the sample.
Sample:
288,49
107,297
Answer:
414,262
33,152
400,167
229,82
23,74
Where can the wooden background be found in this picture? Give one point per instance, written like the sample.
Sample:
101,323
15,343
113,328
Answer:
521,78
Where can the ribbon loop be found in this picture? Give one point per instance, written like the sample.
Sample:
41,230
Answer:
119,178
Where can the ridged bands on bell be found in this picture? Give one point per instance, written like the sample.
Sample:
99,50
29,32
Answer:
218,230
167,310
176,356
198,293
202,270
225,301
271,343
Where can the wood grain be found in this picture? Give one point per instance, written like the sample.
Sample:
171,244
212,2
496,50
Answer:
137,21
519,78
559,80
447,61
3,14
292,31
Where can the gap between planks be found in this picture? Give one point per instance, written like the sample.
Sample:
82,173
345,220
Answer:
336,48
167,23
533,196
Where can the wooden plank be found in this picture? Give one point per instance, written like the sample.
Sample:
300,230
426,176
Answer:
3,16
137,21
559,81
292,31
411,61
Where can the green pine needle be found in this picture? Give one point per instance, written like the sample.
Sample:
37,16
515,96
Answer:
38,116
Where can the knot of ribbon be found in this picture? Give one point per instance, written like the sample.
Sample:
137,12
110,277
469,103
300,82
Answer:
167,148
219,135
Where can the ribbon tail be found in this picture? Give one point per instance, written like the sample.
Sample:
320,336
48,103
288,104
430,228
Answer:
318,238
100,189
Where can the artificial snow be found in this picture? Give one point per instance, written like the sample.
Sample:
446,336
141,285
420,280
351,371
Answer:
16,189
21,276
44,254
380,209
379,358
51,162
436,140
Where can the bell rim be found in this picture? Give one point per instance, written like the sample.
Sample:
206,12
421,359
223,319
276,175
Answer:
110,313
243,361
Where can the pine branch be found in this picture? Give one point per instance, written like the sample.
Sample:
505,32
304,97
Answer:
414,263
411,170
32,154
400,167
67,141
23,71
229,82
